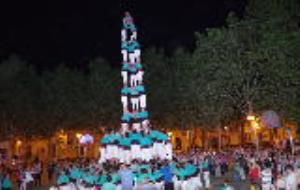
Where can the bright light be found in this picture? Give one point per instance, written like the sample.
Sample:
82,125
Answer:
19,143
78,135
225,128
170,134
250,117
255,125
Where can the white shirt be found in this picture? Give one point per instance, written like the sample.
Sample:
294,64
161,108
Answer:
291,181
266,176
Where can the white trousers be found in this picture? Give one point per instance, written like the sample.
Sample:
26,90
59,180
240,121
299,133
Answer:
135,151
125,55
125,77
143,101
135,103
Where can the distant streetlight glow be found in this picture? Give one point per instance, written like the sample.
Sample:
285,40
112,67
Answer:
255,125
78,135
19,143
250,117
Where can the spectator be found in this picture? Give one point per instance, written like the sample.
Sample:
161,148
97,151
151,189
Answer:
254,175
266,177
280,182
167,175
6,183
291,181
108,185
126,178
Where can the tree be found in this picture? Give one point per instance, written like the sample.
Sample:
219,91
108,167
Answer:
103,101
246,62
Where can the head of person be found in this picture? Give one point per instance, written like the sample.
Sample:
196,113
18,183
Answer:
226,182
289,168
144,171
109,179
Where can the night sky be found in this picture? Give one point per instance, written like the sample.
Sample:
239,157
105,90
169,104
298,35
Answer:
47,33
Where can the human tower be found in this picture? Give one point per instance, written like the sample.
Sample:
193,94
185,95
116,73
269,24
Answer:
135,140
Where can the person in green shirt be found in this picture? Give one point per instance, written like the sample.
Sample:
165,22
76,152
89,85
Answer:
6,183
101,179
74,174
63,179
108,185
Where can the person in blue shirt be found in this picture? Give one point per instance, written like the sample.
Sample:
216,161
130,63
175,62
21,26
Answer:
167,176
126,178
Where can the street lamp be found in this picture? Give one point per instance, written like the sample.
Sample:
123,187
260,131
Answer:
255,126
78,135
251,117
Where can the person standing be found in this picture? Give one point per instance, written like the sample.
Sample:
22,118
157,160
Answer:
280,182
266,177
50,170
291,181
6,183
126,176
108,185
167,176
26,178
37,172
254,175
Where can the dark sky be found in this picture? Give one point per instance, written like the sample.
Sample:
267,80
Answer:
47,33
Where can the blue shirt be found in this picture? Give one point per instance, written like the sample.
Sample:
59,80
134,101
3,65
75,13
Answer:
167,174
126,178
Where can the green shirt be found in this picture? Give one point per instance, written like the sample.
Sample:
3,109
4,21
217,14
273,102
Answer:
101,180
75,173
125,142
109,186
7,183
156,175
135,136
145,166
105,139
89,179
115,178
62,179
141,178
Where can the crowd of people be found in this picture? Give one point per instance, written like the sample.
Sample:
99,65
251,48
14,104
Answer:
20,175
267,169
155,174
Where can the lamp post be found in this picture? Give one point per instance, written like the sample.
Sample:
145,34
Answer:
78,136
255,126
